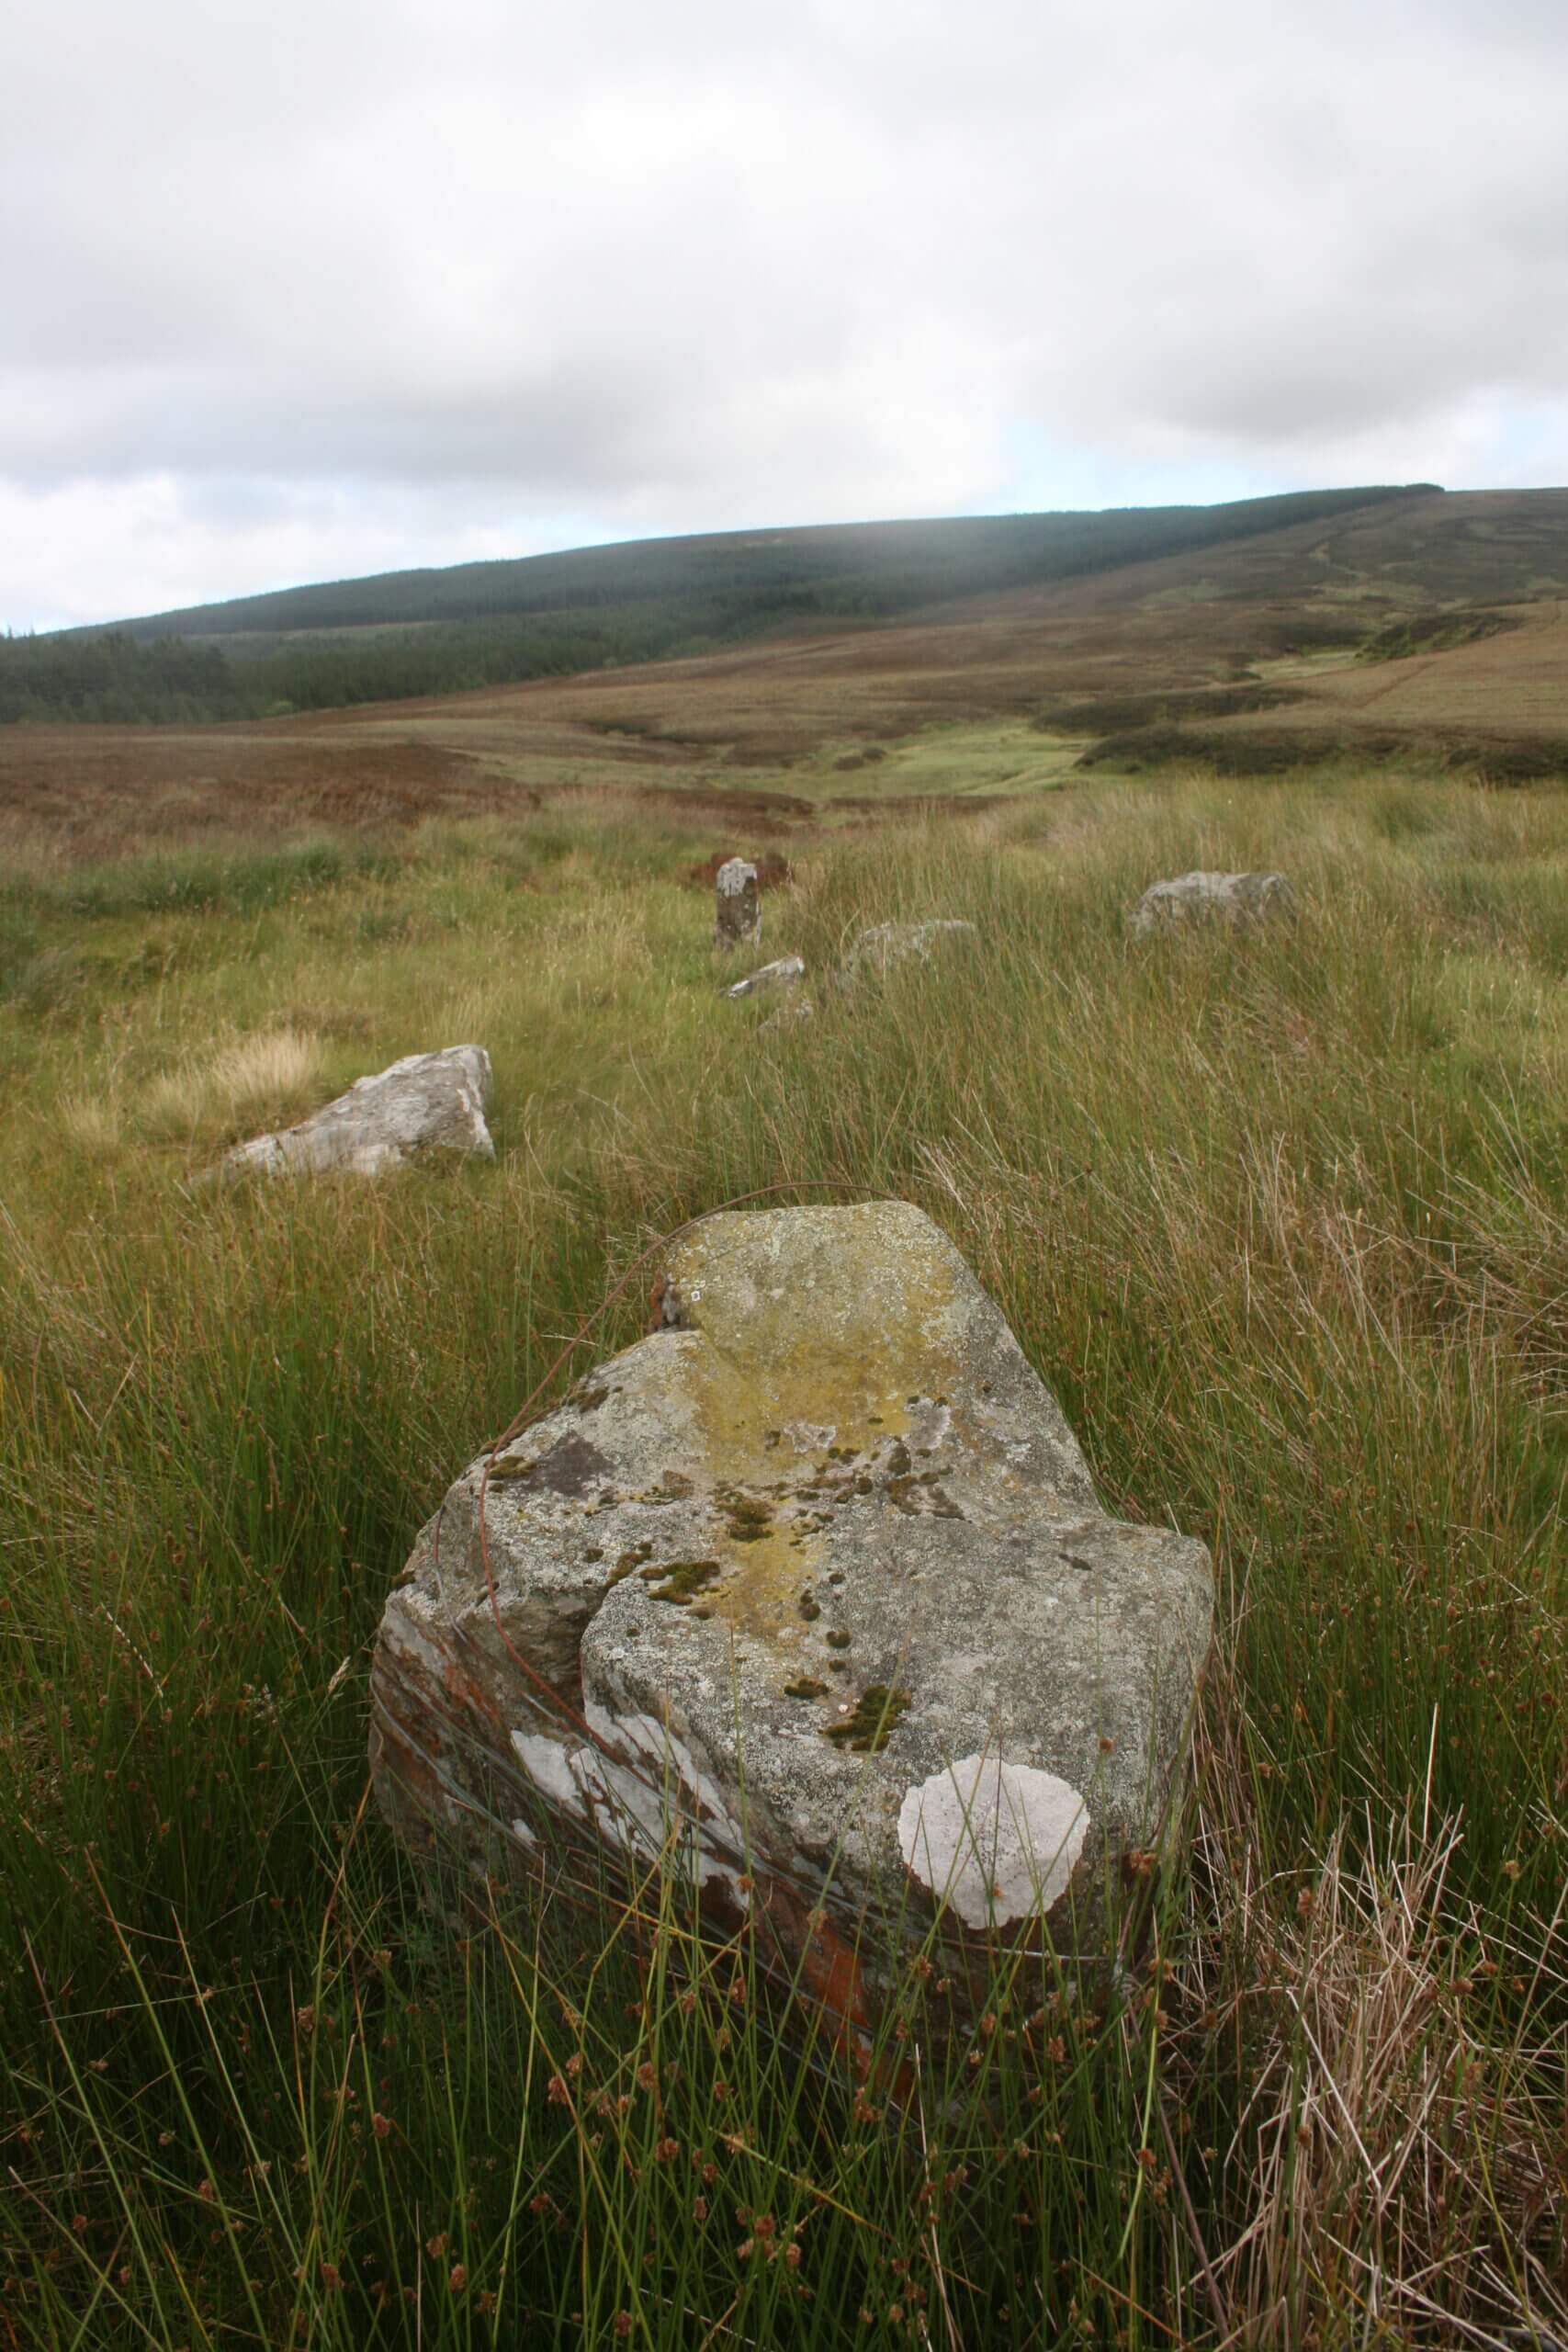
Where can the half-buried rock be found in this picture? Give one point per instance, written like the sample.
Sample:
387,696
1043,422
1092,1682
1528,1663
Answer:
808,1593
1231,898
426,1104
885,945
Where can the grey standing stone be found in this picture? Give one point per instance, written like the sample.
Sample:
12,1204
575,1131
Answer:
814,1589
738,909
424,1104
1234,898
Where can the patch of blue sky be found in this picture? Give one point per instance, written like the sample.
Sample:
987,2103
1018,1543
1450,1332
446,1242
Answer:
1043,473
1522,442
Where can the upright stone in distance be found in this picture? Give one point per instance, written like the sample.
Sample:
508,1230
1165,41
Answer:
812,1585
738,908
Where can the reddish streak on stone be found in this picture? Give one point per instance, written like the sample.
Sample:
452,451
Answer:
829,1965
833,1973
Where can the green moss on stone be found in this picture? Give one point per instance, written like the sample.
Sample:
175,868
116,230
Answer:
747,1519
630,1560
679,1581
872,1723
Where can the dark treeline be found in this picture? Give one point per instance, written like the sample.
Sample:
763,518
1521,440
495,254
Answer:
490,624
109,676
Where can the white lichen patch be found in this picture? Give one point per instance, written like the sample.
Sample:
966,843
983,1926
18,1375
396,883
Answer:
549,1766
642,1790
809,1437
667,1764
997,1841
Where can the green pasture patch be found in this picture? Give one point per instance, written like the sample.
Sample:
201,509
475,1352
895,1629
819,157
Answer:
1003,758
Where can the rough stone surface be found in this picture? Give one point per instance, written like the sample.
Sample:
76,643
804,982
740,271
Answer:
427,1102
1234,897
884,944
783,974
815,1579
737,905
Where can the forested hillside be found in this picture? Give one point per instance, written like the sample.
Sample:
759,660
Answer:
432,632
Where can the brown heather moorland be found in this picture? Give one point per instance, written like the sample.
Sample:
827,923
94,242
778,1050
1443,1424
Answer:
1257,642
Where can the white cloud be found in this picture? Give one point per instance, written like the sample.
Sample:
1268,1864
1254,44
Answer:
305,289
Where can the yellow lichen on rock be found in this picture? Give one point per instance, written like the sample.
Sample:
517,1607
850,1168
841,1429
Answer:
789,1371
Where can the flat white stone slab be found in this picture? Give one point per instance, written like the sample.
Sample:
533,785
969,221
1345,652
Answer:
782,973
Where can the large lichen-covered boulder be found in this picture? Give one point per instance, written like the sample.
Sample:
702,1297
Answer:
812,1587
424,1104
1232,897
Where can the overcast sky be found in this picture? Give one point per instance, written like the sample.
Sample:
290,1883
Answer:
293,290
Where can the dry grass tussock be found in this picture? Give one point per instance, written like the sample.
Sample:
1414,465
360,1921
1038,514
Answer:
278,1066
1397,2153
93,1123
270,1076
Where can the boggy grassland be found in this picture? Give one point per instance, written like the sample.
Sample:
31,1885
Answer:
1280,1221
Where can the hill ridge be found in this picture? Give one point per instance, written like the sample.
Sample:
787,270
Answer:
400,635
1053,542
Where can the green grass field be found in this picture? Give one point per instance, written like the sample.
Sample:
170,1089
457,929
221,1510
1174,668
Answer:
1280,1219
